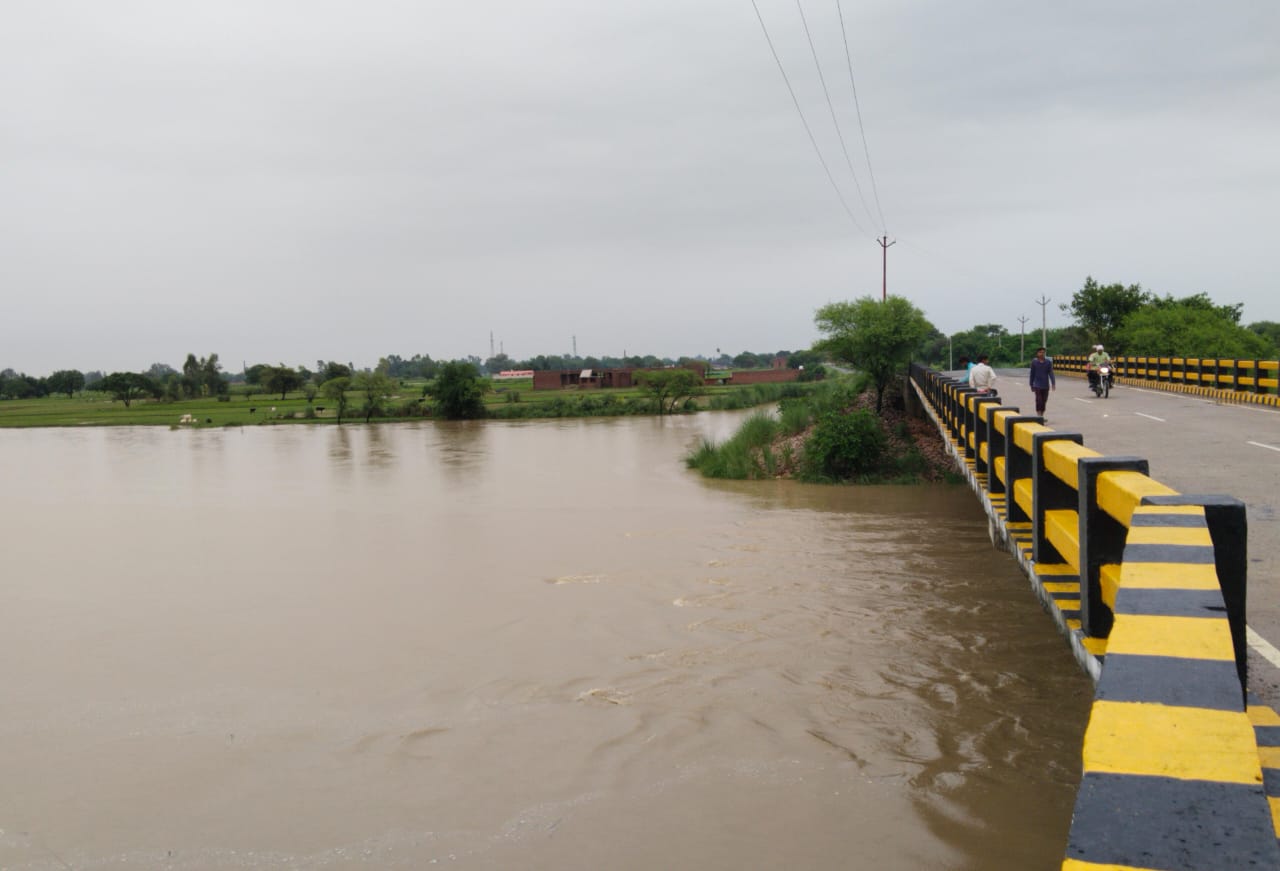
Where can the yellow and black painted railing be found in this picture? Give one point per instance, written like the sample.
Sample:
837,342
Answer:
1251,381
1149,587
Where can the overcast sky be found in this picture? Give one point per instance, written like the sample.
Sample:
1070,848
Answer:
287,180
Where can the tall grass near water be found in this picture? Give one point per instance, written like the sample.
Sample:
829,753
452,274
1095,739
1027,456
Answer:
747,454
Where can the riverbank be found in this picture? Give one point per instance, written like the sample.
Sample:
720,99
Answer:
834,438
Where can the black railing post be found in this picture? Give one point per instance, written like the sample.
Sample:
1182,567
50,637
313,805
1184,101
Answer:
1017,465
1048,493
1229,529
1102,539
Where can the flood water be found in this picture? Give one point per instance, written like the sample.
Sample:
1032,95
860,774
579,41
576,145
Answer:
526,645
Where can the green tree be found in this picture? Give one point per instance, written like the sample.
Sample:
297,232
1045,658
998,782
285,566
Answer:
66,381
1189,328
128,386
873,336
458,390
14,385
335,390
253,375
1270,331
328,371
497,363
1101,309
1229,313
376,388
202,376
280,379
667,387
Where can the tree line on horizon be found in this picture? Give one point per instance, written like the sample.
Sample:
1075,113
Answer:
204,376
1125,318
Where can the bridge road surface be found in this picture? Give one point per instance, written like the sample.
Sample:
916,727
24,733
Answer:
1198,447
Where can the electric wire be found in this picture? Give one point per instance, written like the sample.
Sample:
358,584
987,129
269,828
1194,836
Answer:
835,122
796,102
866,150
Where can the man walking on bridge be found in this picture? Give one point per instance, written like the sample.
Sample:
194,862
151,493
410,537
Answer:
1042,380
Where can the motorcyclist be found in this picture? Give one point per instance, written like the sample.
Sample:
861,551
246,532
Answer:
1096,359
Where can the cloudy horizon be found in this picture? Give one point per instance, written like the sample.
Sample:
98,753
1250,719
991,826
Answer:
289,181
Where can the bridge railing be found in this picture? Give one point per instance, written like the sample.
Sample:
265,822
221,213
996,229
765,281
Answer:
1150,586
1246,377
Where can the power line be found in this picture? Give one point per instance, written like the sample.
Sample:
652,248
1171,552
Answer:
800,112
866,150
834,121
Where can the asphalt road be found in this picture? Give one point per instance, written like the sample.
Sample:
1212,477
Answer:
1195,446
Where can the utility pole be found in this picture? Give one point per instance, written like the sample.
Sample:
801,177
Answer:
1044,333
1022,348
575,346
491,343
884,268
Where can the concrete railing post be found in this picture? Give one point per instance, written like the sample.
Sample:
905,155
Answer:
1048,493
1229,528
994,437
975,423
1102,539
1017,465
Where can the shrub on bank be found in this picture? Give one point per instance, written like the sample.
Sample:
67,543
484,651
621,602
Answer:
843,446
831,435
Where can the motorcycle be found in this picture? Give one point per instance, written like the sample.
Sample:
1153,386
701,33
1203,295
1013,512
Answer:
1102,381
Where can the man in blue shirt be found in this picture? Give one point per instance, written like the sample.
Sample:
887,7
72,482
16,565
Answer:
1042,380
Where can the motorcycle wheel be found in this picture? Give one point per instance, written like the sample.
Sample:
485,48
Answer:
1106,389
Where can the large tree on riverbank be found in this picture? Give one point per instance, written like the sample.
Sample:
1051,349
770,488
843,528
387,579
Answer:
458,391
874,336
128,386
666,387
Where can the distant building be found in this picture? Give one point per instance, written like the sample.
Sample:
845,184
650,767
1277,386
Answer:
585,379
590,379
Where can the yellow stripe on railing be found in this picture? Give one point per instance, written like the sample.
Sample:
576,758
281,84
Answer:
998,468
1062,528
1120,492
1170,576
1109,578
1185,637
1060,459
1022,433
1192,535
1023,489
1167,741
998,419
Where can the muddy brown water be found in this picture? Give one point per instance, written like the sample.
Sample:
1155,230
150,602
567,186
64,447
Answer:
537,645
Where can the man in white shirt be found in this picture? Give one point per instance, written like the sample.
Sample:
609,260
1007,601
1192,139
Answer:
982,377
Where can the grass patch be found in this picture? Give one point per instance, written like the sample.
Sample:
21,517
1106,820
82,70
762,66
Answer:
748,454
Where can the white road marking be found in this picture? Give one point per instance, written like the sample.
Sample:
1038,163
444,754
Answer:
1151,416
1085,401
1261,445
1262,646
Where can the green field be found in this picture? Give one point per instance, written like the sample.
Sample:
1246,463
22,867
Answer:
515,398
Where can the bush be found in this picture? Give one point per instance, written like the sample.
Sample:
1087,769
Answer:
794,415
843,446
747,454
